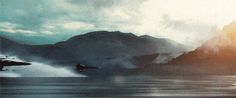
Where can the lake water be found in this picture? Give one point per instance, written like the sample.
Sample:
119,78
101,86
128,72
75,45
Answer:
120,87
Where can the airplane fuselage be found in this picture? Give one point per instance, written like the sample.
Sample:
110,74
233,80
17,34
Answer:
82,67
12,63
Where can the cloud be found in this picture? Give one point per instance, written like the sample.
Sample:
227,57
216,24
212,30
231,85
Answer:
15,28
20,12
66,25
8,27
188,29
186,18
97,4
185,25
46,32
75,25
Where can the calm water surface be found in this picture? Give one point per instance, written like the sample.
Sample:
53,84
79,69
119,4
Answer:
120,87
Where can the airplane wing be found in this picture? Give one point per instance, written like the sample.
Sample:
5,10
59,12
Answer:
13,63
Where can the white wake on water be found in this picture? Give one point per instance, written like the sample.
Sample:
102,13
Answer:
37,70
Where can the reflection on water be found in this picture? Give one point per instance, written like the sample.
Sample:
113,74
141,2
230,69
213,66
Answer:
119,86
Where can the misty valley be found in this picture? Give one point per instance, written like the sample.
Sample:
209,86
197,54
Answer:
115,53
105,55
117,49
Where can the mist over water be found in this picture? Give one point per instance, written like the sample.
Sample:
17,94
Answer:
37,69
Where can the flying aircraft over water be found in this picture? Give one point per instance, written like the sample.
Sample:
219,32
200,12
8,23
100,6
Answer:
81,67
6,62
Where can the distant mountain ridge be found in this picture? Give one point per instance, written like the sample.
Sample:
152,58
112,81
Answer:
99,48
216,56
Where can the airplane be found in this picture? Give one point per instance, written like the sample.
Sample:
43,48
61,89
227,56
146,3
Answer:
4,62
82,67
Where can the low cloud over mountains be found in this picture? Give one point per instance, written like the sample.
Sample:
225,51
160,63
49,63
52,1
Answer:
100,48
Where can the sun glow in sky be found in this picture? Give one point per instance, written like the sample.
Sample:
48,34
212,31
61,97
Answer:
230,30
186,21
224,38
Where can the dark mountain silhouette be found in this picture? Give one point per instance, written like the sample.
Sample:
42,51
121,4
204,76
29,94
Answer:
99,48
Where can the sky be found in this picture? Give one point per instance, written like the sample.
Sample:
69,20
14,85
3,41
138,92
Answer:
47,21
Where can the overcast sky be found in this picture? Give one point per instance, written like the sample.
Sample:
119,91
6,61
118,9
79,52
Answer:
47,21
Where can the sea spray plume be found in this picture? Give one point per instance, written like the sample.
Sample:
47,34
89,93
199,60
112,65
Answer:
38,69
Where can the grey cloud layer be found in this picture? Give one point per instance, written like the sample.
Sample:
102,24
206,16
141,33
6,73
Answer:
55,20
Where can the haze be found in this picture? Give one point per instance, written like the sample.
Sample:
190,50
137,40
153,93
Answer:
44,21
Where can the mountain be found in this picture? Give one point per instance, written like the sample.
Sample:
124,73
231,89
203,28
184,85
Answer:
100,48
216,56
